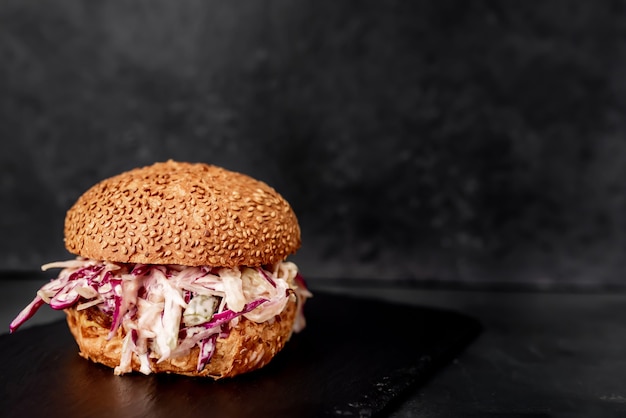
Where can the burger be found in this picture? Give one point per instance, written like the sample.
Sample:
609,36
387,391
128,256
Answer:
180,268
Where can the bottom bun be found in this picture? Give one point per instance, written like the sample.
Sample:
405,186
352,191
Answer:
249,345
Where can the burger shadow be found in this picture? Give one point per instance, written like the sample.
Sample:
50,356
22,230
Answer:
87,389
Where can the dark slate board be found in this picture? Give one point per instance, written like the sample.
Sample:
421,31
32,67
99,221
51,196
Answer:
355,358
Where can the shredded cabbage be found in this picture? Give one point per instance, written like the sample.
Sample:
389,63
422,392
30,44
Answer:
166,310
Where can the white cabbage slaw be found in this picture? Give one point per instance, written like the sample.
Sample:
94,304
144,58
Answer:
166,310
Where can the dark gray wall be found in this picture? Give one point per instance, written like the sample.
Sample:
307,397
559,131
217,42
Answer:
462,140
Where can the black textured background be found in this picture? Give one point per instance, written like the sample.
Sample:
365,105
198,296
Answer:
446,140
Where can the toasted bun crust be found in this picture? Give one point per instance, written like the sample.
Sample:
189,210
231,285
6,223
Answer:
182,213
248,347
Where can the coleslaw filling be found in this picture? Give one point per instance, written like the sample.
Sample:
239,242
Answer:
166,310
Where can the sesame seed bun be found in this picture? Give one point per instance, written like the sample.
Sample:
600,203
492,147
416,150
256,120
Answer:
190,214
182,213
248,347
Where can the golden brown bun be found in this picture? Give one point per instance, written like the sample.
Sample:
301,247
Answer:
248,347
182,213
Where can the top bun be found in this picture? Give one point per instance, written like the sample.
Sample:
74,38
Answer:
182,213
